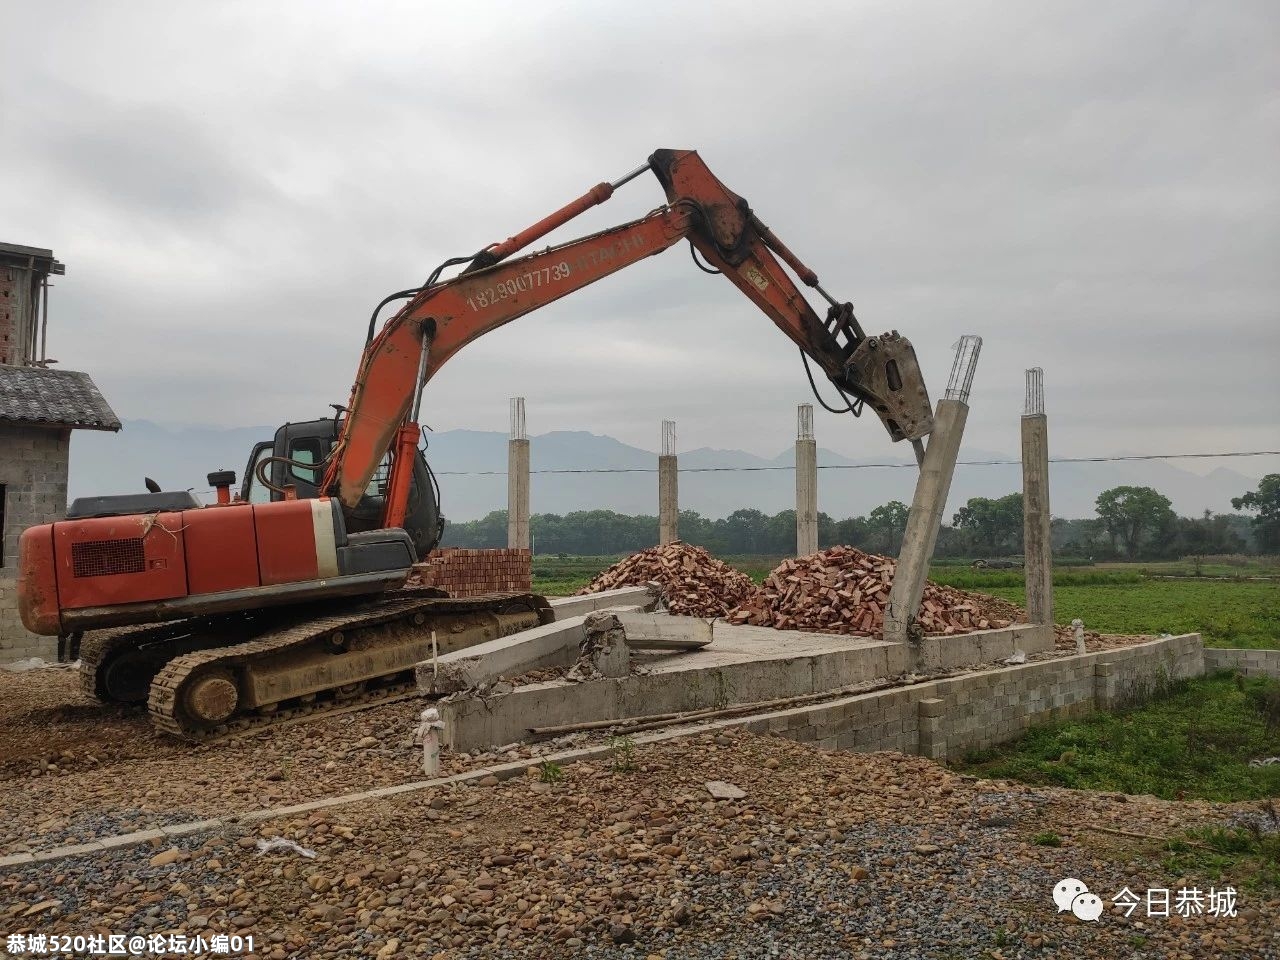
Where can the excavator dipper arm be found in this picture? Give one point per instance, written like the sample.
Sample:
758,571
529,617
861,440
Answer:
442,318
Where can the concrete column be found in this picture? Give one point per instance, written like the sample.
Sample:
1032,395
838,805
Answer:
1037,539
806,482
668,486
930,497
518,479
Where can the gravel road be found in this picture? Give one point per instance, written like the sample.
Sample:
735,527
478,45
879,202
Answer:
827,855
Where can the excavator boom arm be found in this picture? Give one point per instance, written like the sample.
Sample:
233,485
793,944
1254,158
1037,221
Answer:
443,318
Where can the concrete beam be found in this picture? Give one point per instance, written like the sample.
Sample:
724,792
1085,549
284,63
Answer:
663,631
550,645
644,598
924,519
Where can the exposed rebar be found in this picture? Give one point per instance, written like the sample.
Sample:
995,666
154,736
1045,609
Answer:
1034,404
960,383
668,438
804,421
517,419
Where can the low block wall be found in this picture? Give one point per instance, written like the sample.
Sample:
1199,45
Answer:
472,573
982,646
945,718
777,672
1249,662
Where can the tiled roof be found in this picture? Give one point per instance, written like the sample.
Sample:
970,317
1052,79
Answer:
55,398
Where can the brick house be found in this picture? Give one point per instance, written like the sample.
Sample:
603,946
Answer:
39,408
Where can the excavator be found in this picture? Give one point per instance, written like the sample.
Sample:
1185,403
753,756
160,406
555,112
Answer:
288,598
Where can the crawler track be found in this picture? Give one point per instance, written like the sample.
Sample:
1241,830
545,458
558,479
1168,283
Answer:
398,628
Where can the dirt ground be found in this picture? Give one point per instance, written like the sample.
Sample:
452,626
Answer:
826,855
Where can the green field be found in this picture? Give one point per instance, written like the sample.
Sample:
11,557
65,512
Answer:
1194,740
1111,598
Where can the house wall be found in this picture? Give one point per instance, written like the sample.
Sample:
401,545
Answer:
17,306
33,472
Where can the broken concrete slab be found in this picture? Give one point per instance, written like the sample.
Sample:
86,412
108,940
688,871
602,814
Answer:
662,631
644,598
743,665
549,645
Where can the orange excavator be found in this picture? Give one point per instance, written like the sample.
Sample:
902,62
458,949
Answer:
289,597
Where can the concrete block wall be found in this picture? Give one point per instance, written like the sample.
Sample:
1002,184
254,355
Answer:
945,718
1249,662
33,472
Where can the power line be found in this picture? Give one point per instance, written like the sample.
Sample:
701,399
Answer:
870,466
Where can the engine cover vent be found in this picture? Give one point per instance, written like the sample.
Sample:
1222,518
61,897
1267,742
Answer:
104,558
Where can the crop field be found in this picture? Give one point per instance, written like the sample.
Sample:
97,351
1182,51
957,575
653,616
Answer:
1228,611
1194,739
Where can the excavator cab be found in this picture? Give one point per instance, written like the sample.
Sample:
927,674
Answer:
296,457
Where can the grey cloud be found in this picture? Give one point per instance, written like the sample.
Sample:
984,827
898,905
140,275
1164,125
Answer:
234,186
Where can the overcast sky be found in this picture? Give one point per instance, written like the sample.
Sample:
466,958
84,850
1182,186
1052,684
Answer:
1092,188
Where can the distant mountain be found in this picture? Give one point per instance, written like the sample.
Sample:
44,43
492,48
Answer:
471,466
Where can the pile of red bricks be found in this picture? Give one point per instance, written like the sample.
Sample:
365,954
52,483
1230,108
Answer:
693,582
843,590
473,573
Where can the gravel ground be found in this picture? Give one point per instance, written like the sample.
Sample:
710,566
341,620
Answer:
827,855
73,770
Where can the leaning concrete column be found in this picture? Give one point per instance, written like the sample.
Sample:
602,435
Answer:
1037,541
806,482
518,479
668,488
930,498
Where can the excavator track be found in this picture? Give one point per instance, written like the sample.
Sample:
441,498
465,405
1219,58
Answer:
99,648
287,673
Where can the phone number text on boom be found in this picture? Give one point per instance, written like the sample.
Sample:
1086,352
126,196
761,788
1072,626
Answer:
521,284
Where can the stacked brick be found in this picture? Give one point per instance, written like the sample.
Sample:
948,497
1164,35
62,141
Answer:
474,573
843,590
692,581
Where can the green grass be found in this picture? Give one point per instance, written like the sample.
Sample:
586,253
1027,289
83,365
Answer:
1195,742
1243,855
1226,613
559,577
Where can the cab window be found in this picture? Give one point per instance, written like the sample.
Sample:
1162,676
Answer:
257,492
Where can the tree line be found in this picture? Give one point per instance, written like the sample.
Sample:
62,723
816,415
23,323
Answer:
1135,523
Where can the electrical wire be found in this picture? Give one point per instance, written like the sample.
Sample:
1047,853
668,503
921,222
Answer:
869,466
848,466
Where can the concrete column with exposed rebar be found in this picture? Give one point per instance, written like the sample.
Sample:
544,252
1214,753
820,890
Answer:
806,482
518,479
668,486
1037,547
932,488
